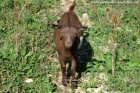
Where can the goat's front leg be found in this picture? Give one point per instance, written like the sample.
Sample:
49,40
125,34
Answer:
63,69
73,71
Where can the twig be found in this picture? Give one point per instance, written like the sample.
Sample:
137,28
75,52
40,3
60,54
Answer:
114,22
21,11
113,54
16,28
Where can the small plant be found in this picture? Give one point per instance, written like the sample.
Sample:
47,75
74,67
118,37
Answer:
114,22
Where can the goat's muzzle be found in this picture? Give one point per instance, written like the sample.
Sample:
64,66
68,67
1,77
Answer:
68,44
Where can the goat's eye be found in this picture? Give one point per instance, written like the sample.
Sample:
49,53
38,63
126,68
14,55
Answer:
61,38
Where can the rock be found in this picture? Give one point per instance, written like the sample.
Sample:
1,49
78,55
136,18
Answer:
80,90
90,90
102,77
28,80
105,49
101,67
138,41
85,20
85,17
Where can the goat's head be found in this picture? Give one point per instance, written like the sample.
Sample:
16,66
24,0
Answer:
69,34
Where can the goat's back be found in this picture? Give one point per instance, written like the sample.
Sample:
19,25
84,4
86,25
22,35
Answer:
70,18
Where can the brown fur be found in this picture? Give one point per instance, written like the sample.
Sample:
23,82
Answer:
66,35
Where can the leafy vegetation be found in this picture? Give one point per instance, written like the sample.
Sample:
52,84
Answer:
27,51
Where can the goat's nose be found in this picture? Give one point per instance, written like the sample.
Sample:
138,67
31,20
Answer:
68,44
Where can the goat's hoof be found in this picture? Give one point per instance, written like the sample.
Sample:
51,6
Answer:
64,82
74,83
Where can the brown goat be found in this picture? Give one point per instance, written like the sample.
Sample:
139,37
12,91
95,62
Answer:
67,36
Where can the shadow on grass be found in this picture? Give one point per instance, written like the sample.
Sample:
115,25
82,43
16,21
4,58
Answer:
85,55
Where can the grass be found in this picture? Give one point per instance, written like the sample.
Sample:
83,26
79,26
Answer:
27,51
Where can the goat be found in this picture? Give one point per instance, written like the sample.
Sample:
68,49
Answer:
67,35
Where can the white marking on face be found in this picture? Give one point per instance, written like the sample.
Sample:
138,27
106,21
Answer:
81,42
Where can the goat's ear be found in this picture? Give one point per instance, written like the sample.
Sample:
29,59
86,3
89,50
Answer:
83,28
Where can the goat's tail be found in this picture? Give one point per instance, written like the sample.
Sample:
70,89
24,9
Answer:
72,6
